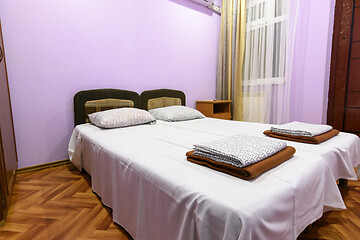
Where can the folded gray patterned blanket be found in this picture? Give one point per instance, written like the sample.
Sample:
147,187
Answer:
239,150
301,129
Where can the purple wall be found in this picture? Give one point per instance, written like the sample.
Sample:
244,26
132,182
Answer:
56,48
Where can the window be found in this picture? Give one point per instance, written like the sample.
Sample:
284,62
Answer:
265,42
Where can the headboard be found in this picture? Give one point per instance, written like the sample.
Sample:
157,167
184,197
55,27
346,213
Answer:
161,98
88,101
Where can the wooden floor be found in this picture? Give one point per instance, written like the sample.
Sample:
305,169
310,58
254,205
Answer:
339,225
57,203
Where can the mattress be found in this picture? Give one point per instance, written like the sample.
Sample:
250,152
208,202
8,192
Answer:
141,172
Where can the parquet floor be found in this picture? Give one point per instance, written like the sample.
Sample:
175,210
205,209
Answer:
57,203
339,225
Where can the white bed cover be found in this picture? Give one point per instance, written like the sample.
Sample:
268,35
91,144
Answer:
142,173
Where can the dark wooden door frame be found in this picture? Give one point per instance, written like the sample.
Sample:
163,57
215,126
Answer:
9,162
339,63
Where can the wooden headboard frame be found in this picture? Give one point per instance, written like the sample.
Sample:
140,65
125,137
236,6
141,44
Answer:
160,93
82,97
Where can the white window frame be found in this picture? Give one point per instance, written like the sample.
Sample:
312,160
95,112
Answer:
260,23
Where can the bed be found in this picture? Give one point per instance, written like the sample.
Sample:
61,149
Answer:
141,172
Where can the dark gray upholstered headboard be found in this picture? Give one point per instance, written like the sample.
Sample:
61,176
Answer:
113,95
161,98
103,99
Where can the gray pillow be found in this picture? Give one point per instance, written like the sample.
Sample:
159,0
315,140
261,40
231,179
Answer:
121,117
175,113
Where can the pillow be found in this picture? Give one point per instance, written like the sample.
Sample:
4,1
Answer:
175,113
121,117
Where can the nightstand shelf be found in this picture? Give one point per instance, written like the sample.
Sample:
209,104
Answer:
215,108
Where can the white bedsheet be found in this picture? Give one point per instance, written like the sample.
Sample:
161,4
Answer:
142,173
342,153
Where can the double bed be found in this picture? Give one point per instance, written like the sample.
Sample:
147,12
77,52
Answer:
141,172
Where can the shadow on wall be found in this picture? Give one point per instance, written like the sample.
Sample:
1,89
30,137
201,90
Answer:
194,6
62,141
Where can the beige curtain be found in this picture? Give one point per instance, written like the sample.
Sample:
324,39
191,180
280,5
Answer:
231,55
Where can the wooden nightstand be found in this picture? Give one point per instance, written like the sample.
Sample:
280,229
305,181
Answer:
215,108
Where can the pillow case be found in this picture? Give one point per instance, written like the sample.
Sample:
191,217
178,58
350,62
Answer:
175,113
121,117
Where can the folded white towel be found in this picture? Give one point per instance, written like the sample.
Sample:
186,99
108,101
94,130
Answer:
239,150
301,129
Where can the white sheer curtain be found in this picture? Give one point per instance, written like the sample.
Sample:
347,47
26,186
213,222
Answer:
268,58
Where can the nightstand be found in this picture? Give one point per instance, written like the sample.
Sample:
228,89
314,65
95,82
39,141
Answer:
215,108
